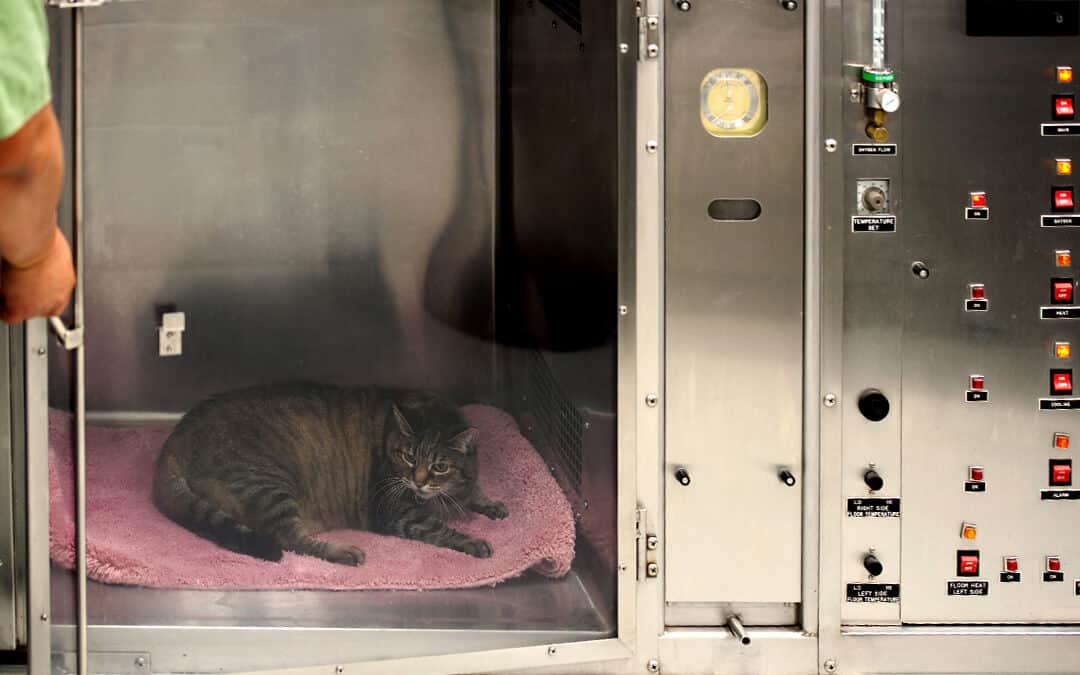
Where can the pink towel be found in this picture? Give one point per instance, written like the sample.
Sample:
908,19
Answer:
130,542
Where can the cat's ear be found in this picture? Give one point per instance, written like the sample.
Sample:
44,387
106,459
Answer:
465,441
403,424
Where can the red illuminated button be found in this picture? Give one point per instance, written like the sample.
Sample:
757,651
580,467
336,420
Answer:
1053,563
1063,108
1012,564
967,564
1060,474
1062,290
978,292
1061,382
978,381
1063,199
976,473
978,200
1061,441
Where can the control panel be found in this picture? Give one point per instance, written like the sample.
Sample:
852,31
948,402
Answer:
960,318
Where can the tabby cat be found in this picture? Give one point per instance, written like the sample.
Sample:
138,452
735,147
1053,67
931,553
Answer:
262,470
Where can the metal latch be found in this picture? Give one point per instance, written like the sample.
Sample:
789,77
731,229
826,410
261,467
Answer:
171,334
647,545
648,31
75,4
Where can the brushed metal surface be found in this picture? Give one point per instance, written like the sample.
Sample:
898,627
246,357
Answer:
8,527
292,176
734,315
875,272
972,113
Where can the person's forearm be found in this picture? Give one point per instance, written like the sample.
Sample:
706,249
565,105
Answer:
31,176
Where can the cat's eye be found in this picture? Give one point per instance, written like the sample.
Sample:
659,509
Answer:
405,457
440,467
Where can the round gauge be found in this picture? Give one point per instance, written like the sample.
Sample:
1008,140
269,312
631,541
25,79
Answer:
733,102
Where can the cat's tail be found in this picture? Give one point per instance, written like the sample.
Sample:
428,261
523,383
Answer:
174,496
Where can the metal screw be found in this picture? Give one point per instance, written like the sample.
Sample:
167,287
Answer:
789,5
653,50
339,669
622,567
623,310
44,616
651,541
651,400
830,666
830,144
140,662
651,146
41,351
854,94
551,651
624,48
653,666
654,22
919,269
652,569
830,400
682,5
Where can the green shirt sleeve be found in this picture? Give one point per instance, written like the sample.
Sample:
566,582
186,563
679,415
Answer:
24,63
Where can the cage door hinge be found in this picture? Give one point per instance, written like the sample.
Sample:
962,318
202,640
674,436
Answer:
76,4
648,30
647,545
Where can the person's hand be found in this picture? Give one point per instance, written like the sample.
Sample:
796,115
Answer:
42,288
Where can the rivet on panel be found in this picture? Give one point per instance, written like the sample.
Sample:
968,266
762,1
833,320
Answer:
651,146
651,400
830,144
624,48
830,400
830,665
653,666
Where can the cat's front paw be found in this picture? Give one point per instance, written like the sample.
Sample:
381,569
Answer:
477,548
494,510
344,554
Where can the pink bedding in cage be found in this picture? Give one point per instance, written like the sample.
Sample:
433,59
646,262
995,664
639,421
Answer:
130,542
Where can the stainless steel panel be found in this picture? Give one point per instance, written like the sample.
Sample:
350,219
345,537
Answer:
310,182
875,271
7,495
734,314
973,109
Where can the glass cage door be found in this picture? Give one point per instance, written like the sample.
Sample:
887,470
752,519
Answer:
350,277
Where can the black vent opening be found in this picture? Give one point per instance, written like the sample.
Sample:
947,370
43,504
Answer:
567,10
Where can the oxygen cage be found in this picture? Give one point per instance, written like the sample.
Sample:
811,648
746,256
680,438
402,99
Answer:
763,310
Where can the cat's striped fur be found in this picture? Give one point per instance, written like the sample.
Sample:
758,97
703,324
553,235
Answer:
264,469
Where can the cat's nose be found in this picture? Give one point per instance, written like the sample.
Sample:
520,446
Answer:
420,477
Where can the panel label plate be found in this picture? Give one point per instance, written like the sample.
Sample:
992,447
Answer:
1059,129
873,507
1060,494
1053,577
972,213
1059,404
975,486
1061,220
969,588
864,149
976,396
1010,577
1059,312
873,592
873,223
977,305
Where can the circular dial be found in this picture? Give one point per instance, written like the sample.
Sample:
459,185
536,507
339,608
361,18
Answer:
730,100
733,102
